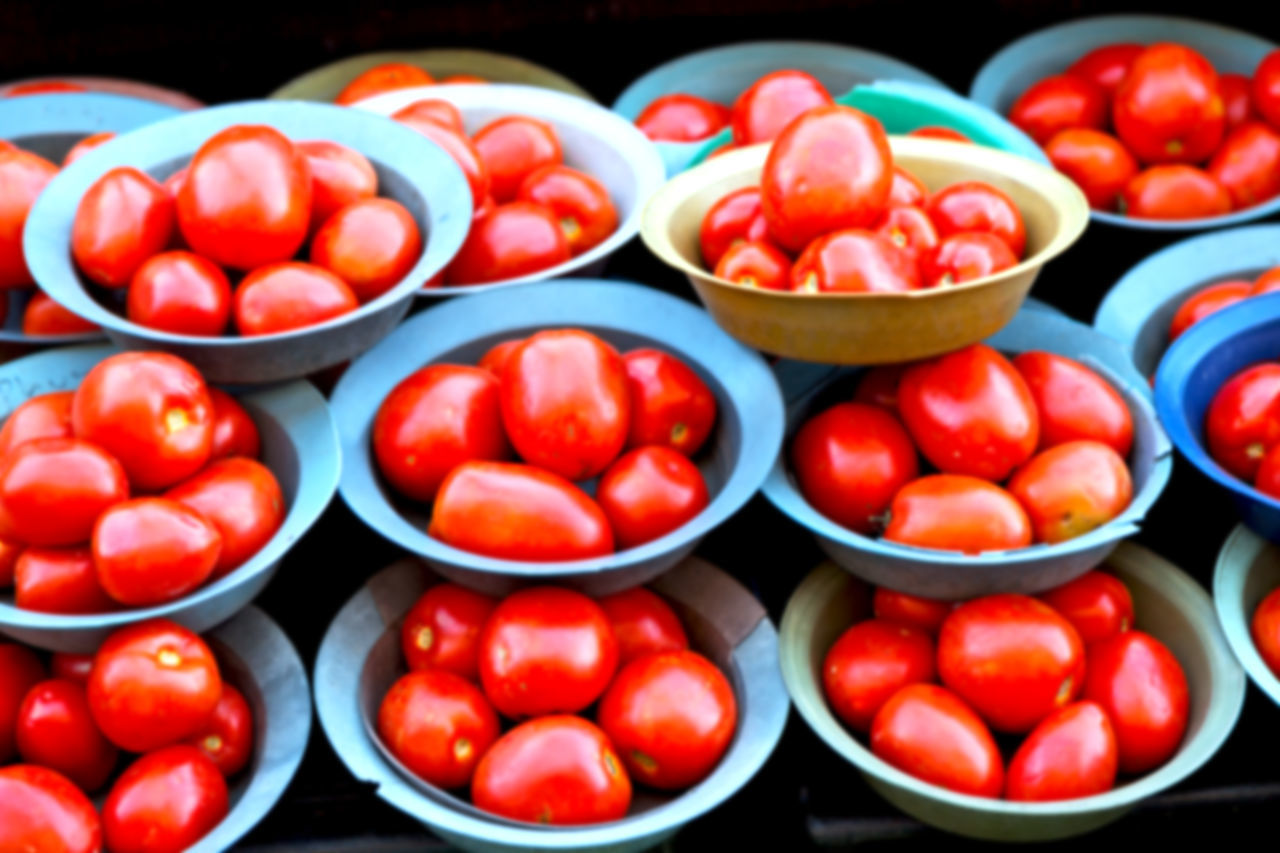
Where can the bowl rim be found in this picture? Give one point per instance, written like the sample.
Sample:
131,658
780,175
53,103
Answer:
1231,569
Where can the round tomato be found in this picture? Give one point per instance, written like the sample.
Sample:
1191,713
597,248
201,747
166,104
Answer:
59,580
1243,421
670,404
43,316
1072,753
1175,192
442,630
242,499
967,256
869,663
517,239
1268,479
438,725
495,359
879,386
370,244
1167,109
949,512
1237,104
582,204
1265,630
386,77
227,739
1097,162
1106,66
42,416
182,293
927,614
461,149
755,263
52,491
153,550
1248,164
1074,402
84,146
906,189
56,730
854,261
737,217
435,110
165,802
643,624
294,295
1071,489
514,147
978,206
909,228
1059,103
1098,605
339,176
234,432
20,670
771,103
23,176
1268,282
682,118
42,811
1266,88
71,667
650,492
932,131
123,219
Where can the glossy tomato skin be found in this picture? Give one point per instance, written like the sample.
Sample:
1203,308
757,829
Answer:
854,261
42,416
1175,192
952,512
927,614
435,110
909,228
370,244
771,103
736,217
23,177
870,662
243,501
1268,282
929,732
514,147
1243,421
582,204
52,491
1014,659
650,492
516,239
850,461
386,77
71,667
43,316
20,670
152,550
1072,753
966,256
1098,605
546,650
123,219
643,624
438,725
1106,66
682,118
1247,164
906,189
1167,109
1071,489
1237,104
1074,402
1268,478
1097,162
978,206
670,404
44,812
442,630
755,263
182,293
460,148
165,802
9,553
59,580
339,176
234,432
56,730
1264,627
287,296
227,739
1266,88
1059,103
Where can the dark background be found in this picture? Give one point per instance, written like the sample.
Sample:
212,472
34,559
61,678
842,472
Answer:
806,795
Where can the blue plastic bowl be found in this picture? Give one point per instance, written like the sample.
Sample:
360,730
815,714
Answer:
723,73
734,461
949,575
1018,65
294,424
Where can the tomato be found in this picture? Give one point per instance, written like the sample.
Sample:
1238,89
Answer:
43,87
1097,162
929,732
566,403
1265,630
1243,421
643,624
1268,478
487,206
1266,88
339,176
950,512
41,811
84,146
182,293
581,203
854,261
495,359
1248,164
682,118
461,149
227,739
42,416
59,580
435,110
55,730
737,217
1071,489
1141,686
153,683
927,614
546,650
173,183
9,553
234,432
1204,302
241,498
670,404
1268,282
1071,754
153,550
71,667
151,411
1237,105
829,170
1175,192
1168,108
386,77
516,239
879,386
20,670
650,492
964,257
514,147
370,244
442,630
978,206
1098,605
123,219
1059,103
755,263
23,176
43,316
165,802
438,725
771,103
970,412
909,228
1013,658
906,189
52,490
1106,66
295,295
869,663
938,132
1074,402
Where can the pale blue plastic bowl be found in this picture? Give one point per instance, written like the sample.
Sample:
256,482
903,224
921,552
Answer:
1247,571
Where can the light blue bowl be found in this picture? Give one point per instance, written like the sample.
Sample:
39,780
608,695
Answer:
1247,571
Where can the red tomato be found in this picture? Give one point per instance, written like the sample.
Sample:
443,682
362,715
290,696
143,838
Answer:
854,261
165,802
227,739
773,102
1074,402
1013,658
670,404
294,295
650,492
1071,489
386,77
23,176
1237,104
84,146
1204,302
978,206
153,683
123,219
71,667
435,110
153,550
927,614
438,725
339,176
909,228
1106,66
755,263
241,498
495,359
949,512
234,432
1175,192
463,152
829,170
581,203
514,147
929,732
20,670
442,630
1264,628
869,663
370,244
516,239
9,553
643,624
682,118
1098,605
43,87
737,217
939,132
558,770
173,183
970,412
671,717
42,811
906,189
43,316
42,416
1268,479
59,580
1243,421
1059,103
1266,88
964,257
546,650
52,491
1071,754
55,730
1097,162
1268,282
850,461
1248,164
151,411
879,386
1142,687
1167,109
182,293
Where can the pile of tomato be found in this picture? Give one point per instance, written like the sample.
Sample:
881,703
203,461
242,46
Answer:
541,658
1054,432
390,76
1093,697
133,490
1155,132
154,691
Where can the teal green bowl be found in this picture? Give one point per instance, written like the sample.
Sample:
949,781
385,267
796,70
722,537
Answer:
1248,569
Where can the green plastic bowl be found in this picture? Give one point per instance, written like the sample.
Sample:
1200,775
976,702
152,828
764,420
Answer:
1169,605
1248,568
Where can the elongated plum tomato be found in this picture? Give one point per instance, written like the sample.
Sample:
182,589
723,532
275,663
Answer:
42,810
903,608
1237,104
435,110
546,650
869,663
929,732
558,770
649,492
434,420
850,461
386,77
52,491
1058,103
1098,605
516,239
234,432
1106,66
581,203
123,219
1167,109
1266,88
514,147
1243,421
246,200
23,176
457,146
43,316
1204,302
1070,754
442,630
1097,162
565,402
56,730
180,292
949,512
242,499
1014,659
370,244
84,146
518,512
771,103
1175,192
20,670
963,257
42,416
439,726
737,217
59,580
854,261
166,801
227,738
1264,627
682,118
978,206
906,189
757,264
909,228
1247,164
339,176
1074,402
670,404
1071,489
643,624
293,295
152,550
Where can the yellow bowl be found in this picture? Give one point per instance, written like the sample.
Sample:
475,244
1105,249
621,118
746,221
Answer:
870,328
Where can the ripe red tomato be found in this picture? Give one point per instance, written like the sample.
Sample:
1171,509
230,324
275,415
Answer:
909,228
854,261
1074,402
869,663
670,404
682,118
1268,282
1072,753
771,103
495,359
1071,489
978,206
518,512
293,295
650,492
173,183
1097,162
442,630
970,412
1268,478
234,432
927,614
44,812
1167,109
339,176
1175,192
514,147
736,217
59,580
967,256
1142,687
1248,164
1098,605
643,624
956,513
1266,88
71,667
938,132
151,411
755,263
152,550
438,725
20,670
829,170
879,386
1237,104
850,461
23,176
906,189
581,203
52,491
182,293
43,87
435,110
55,730
9,553
42,416
386,77
1264,628
153,683
242,499
370,244
227,739
123,219
546,650
165,802
43,316
516,239
1243,421
1106,66
929,732
84,146
1059,103
461,149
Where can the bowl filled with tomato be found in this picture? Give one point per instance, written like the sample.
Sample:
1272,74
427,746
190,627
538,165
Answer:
1245,580
386,210
105,85
132,490
604,789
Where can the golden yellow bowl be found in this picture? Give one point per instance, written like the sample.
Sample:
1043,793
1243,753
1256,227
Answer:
870,328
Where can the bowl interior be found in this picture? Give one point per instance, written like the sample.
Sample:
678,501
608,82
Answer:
1248,570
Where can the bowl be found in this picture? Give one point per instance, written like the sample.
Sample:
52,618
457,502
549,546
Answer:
870,328
1138,308
946,574
411,170
734,462
327,81
116,86
1169,605
1247,570
1051,50
359,659
722,73
294,424
593,139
